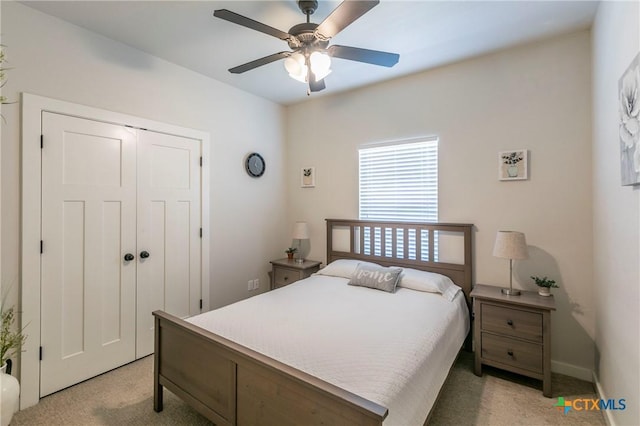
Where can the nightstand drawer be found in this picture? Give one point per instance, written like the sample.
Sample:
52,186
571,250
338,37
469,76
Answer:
284,276
512,322
287,271
512,352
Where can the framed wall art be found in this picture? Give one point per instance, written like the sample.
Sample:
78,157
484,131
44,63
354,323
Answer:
512,165
308,177
629,108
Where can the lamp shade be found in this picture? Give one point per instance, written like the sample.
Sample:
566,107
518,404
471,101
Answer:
301,231
510,245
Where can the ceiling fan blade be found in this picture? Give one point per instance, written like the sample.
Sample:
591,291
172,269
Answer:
342,16
315,86
374,57
259,62
227,15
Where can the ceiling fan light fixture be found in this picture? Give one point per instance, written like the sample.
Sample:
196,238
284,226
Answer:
310,59
320,64
295,66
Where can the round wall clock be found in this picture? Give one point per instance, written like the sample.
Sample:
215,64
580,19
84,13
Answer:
255,164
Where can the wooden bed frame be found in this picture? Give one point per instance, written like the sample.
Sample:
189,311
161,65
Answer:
233,385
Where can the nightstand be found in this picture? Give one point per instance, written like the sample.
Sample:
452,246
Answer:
513,332
285,271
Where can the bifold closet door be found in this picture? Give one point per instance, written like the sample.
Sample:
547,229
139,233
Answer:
121,218
169,221
88,290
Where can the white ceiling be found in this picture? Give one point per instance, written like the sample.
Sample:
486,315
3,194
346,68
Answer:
426,34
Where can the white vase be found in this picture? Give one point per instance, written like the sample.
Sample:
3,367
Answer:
544,291
9,396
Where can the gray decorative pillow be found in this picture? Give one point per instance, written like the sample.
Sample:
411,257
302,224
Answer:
377,277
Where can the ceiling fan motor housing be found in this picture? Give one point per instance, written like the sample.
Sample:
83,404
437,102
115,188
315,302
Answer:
305,34
308,6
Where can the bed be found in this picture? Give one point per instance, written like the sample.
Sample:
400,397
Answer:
320,351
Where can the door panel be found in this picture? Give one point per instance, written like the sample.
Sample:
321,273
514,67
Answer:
72,283
88,224
170,166
91,160
169,221
177,270
111,282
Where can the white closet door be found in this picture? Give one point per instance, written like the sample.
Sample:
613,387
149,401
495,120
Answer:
169,221
88,290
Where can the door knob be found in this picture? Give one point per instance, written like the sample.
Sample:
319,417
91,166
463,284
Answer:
129,257
144,254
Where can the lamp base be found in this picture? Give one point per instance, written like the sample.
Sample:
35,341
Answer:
511,292
299,260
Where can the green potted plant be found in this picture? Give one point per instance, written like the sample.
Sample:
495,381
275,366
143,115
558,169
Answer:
11,341
544,285
290,251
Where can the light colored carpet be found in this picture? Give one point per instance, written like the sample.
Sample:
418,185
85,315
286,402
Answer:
124,396
500,398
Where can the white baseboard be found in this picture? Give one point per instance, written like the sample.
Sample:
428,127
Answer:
572,371
605,413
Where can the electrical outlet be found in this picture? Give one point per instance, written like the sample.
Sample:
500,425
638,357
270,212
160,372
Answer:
253,284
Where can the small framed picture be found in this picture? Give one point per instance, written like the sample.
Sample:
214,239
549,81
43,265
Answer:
308,177
512,165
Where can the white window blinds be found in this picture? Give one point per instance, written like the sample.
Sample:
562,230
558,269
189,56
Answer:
399,181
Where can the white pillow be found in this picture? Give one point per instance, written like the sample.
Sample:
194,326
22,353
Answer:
428,282
343,268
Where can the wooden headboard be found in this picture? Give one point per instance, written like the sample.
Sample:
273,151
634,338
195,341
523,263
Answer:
409,244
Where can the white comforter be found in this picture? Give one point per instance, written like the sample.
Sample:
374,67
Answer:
394,349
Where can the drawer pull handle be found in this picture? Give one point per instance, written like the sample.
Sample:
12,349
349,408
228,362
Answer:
510,353
286,278
510,322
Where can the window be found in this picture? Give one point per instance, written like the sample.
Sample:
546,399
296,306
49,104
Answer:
399,182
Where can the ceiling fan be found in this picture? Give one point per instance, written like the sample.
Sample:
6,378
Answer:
309,60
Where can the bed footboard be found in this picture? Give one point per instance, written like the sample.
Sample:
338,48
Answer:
233,385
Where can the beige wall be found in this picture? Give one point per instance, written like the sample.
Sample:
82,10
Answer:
536,97
616,214
58,60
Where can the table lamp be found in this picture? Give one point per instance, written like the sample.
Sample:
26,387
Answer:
510,245
300,232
